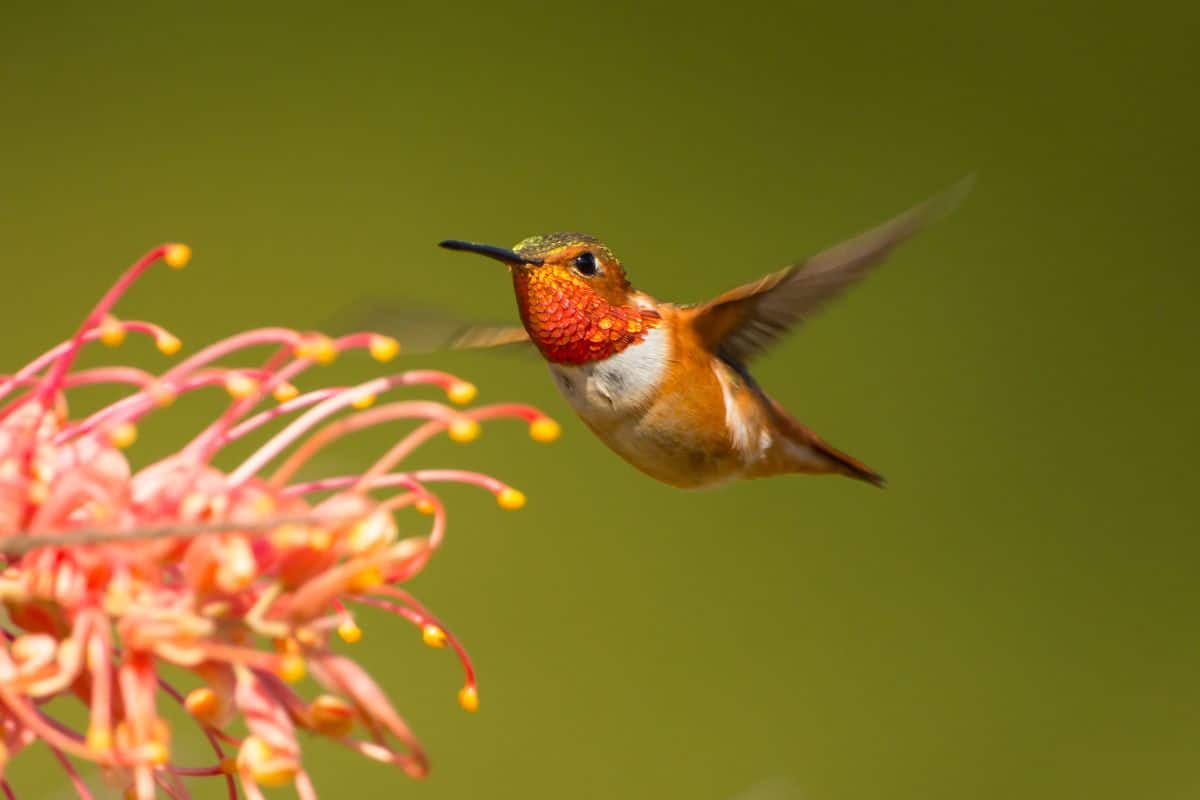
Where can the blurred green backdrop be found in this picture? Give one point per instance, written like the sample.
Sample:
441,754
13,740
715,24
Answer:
1014,617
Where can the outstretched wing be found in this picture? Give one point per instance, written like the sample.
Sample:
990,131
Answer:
423,330
747,320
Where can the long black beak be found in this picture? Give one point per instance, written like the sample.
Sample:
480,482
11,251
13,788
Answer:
498,253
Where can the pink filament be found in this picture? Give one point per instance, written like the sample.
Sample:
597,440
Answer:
63,362
417,614
419,436
205,445
322,410
33,367
400,479
72,775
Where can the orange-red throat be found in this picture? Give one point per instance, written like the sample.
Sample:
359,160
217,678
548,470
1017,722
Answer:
573,296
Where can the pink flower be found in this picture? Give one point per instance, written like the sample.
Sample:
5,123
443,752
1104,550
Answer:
241,577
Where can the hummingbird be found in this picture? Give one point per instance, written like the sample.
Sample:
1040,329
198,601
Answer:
667,386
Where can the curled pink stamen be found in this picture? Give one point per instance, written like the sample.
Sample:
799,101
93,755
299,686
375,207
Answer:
39,363
114,573
63,362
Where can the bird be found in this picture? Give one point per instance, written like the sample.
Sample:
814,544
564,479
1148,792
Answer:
667,386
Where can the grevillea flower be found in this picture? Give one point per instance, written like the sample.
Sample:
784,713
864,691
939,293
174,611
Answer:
243,578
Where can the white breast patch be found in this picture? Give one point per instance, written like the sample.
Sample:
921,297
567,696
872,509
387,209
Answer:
620,383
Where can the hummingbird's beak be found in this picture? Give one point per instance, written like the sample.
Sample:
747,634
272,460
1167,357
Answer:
499,253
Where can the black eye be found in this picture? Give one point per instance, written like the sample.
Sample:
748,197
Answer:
585,263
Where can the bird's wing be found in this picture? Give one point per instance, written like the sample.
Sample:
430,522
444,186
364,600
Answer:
745,321
422,330
476,336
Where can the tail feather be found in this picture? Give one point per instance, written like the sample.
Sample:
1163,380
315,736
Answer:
848,465
833,460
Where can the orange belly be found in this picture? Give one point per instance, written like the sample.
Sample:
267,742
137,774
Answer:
664,407
680,439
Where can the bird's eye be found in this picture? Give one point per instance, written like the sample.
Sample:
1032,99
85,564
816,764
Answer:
585,263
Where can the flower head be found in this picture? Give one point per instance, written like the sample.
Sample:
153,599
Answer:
246,578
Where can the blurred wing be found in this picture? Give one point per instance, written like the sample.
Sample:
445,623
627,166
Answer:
475,336
422,330
747,320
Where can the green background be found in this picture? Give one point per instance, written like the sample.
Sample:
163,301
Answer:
1014,617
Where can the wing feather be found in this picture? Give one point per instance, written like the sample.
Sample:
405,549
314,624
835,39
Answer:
423,330
745,321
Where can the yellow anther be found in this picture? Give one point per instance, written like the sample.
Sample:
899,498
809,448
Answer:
193,505
331,716
383,348
112,333
371,533
292,668
41,469
161,394
605,323
116,600
99,740
156,753
168,344
280,776
284,392
318,348
463,430
255,757
468,698
177,256
325,351
38,493
238,567
202,703
366,579
425,506
123,435
363,401
239,385
544,429
433,635
349,631
263,504
461,392
98,511
633,326
510,499
320,539
288,536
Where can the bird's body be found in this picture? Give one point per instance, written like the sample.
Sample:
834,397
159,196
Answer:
666,386
681,414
